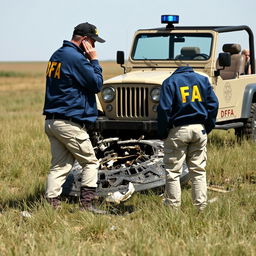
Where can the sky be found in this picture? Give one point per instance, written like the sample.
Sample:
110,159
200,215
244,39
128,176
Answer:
31,30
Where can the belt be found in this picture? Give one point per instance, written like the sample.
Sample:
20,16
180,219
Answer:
62,117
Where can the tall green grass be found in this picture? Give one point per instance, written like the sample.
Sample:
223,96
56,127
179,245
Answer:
143,226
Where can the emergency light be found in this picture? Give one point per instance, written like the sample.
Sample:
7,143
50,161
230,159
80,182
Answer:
170,19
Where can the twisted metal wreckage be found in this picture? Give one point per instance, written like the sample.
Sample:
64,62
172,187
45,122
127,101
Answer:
125,166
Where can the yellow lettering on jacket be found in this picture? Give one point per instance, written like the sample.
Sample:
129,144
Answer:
185,92
53,69
57,71
196,94
48,68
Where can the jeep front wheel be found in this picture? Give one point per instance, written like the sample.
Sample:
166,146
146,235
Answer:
249,129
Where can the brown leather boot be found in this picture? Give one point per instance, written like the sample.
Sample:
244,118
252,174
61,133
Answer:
87,196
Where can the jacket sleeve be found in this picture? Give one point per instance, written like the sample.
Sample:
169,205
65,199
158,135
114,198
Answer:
212,105
164,110
89,74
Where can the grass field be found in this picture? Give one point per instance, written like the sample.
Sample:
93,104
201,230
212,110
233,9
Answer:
227,227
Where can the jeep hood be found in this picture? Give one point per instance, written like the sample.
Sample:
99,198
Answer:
147,77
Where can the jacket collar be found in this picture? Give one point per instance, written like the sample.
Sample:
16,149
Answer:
70,44
183,69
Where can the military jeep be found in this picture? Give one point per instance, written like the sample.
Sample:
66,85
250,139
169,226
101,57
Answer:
125,134
129,101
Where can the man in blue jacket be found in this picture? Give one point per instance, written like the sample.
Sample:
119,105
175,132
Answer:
73,77
186,114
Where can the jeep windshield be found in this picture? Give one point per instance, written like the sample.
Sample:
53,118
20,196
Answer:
175,46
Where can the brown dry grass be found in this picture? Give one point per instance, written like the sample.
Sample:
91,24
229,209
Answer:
110,68
227,227
31,75
23,67
12,84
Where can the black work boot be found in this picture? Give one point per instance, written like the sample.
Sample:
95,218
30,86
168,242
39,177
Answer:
54,202
87,196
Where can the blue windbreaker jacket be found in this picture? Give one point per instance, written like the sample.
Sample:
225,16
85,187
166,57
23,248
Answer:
186,98
71,84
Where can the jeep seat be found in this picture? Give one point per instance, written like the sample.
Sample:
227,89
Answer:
237,62
188,53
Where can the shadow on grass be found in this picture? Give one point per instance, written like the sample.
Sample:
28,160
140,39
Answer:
120,209
113,209
28,201
36,198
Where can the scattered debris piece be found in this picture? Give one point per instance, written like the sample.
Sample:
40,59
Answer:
113,228
218,189
117,197
25,214
213,200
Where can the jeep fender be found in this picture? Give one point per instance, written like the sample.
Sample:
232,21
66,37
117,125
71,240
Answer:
248,99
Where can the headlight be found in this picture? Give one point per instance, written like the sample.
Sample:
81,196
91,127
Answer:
155,94
108,94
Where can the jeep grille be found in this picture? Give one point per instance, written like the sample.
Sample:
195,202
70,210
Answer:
132,102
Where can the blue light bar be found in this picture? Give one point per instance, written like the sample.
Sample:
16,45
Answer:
170,19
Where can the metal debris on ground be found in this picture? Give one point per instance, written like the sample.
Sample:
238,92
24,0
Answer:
210,201
118,197
25,214
218,189
122,162
113,228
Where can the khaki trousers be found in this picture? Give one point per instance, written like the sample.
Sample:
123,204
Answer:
69,141
186,143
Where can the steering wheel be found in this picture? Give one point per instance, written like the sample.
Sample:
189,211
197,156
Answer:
203,55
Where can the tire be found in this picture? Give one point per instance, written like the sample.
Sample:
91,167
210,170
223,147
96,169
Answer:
249,130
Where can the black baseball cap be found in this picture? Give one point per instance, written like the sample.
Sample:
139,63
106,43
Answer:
87,29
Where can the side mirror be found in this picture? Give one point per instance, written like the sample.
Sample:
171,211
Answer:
120,59
224,59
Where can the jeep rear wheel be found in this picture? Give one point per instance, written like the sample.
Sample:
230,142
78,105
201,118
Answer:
249,129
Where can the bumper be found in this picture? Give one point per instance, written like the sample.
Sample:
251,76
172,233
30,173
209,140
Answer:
103,124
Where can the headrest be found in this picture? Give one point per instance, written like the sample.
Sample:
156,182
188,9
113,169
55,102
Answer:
190,51
232,48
